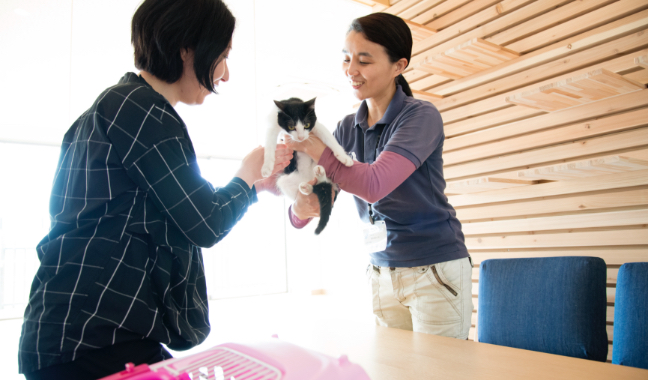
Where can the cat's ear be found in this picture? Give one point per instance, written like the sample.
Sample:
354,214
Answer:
280,105
311,103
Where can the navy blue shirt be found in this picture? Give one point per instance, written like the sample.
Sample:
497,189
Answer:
422,227
129,211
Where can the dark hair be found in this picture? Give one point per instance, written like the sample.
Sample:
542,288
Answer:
392,33
161,29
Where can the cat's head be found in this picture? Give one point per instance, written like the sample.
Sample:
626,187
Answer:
296,117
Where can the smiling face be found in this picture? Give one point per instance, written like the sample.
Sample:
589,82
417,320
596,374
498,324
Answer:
368,67
191,91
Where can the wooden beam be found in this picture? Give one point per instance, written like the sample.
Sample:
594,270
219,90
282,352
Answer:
572,239
476,185
489,120
579,24
588,111
608,182
440,10
461,13
456,34
632,139
642,61
425,96
544,21
550,53
566,204
419,8
585,168
562,222
585,88
569,133
486,97
612,256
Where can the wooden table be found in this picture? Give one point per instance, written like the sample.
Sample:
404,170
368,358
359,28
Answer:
392,354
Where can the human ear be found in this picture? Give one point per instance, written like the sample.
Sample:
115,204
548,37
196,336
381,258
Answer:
400,66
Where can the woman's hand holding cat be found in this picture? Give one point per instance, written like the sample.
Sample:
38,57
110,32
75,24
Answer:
250,170
313,146
306,206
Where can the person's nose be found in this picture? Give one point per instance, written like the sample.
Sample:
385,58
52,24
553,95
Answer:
351,69
225,77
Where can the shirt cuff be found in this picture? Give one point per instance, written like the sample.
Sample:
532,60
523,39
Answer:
251,193
295,221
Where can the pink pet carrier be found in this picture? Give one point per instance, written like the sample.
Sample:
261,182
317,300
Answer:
266,360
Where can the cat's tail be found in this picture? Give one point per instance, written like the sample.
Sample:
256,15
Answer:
324,192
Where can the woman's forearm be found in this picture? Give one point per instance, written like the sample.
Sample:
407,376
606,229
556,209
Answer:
370,182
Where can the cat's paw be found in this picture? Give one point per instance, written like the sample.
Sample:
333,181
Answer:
344,159
305,188
320,173
266,170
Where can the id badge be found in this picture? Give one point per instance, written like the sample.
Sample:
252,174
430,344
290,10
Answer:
375,236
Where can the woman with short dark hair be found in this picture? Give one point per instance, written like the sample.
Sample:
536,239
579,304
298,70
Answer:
121,268
420,269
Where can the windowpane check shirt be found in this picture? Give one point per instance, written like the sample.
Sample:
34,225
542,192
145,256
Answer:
129,212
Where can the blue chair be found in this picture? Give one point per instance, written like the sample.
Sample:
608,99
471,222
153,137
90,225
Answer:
630,341
555,305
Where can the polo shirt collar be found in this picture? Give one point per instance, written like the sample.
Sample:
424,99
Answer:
394,108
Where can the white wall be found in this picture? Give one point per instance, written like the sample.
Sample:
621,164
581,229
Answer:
59,55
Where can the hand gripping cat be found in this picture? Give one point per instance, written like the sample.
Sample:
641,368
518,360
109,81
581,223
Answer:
297,118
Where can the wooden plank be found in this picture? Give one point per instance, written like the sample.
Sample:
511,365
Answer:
580,24
483,24
468,58
439,10
447,38
571,132
550,53
476,185
419,8
585,88
550,240
414,75
507,131
609,144
566,204
546,20
607,182
484,98
473,124
427,82
401,6
419,32
617,256
425,96
461,13
581,220
585,168
642,61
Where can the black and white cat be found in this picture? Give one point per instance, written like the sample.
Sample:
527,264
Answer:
297,118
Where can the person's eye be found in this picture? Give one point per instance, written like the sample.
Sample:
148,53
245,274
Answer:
364,63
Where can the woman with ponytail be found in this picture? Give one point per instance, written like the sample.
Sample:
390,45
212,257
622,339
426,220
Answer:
420,270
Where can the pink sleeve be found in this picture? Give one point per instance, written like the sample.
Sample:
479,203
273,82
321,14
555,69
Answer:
295,221
370,182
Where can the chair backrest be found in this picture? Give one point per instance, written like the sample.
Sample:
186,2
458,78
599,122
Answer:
630,340
549,304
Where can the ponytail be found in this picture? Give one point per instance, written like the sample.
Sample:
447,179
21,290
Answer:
400,80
